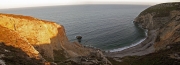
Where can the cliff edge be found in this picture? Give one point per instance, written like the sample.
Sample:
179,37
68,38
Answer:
165,19
161,47
44,40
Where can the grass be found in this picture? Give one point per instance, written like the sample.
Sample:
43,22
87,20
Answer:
59,56
161,10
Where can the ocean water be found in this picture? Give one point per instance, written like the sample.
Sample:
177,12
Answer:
108,27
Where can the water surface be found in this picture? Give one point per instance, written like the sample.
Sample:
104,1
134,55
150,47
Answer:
106,27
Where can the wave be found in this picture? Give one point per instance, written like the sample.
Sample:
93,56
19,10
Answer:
132,45
126,47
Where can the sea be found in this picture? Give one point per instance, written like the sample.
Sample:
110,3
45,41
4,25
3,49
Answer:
108,27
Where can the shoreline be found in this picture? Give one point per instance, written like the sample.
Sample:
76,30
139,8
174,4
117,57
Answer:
145,47
132,45
126,47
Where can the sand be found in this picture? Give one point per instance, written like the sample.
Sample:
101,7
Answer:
143,48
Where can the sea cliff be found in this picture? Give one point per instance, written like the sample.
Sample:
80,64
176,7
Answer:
43,40
164,18
26,40
161,47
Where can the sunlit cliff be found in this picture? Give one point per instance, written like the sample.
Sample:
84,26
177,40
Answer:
43,35
44,40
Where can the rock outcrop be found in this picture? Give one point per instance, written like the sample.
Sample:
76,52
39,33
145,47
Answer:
162,44
94,58
165,19
39,39
13,56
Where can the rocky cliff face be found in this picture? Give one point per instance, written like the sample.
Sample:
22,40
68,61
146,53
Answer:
14,56
165,19
38,38
162,44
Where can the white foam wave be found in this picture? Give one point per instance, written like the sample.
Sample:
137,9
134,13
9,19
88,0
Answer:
132,45
120,49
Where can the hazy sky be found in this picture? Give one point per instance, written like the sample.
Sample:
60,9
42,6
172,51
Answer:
4,4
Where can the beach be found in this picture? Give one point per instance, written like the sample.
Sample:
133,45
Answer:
145,47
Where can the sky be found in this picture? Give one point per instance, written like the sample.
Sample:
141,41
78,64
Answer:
6,4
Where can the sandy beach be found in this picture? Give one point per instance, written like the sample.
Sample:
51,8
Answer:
143,48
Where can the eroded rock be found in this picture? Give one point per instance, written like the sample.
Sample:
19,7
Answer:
40,39
165,19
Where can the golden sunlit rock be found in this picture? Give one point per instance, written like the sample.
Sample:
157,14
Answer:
36,36
12,38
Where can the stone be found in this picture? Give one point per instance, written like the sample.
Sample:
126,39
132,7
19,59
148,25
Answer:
166,23
79,38
41,39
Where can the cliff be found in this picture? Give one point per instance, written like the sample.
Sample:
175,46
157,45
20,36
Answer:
163,24
40,39
165,20
14,56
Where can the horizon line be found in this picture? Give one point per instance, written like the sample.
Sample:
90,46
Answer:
82,4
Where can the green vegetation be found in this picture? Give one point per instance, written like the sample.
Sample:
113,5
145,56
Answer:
59,56
162,57
161,10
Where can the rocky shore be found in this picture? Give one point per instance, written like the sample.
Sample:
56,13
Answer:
44,40
143,48
163,24
25,40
